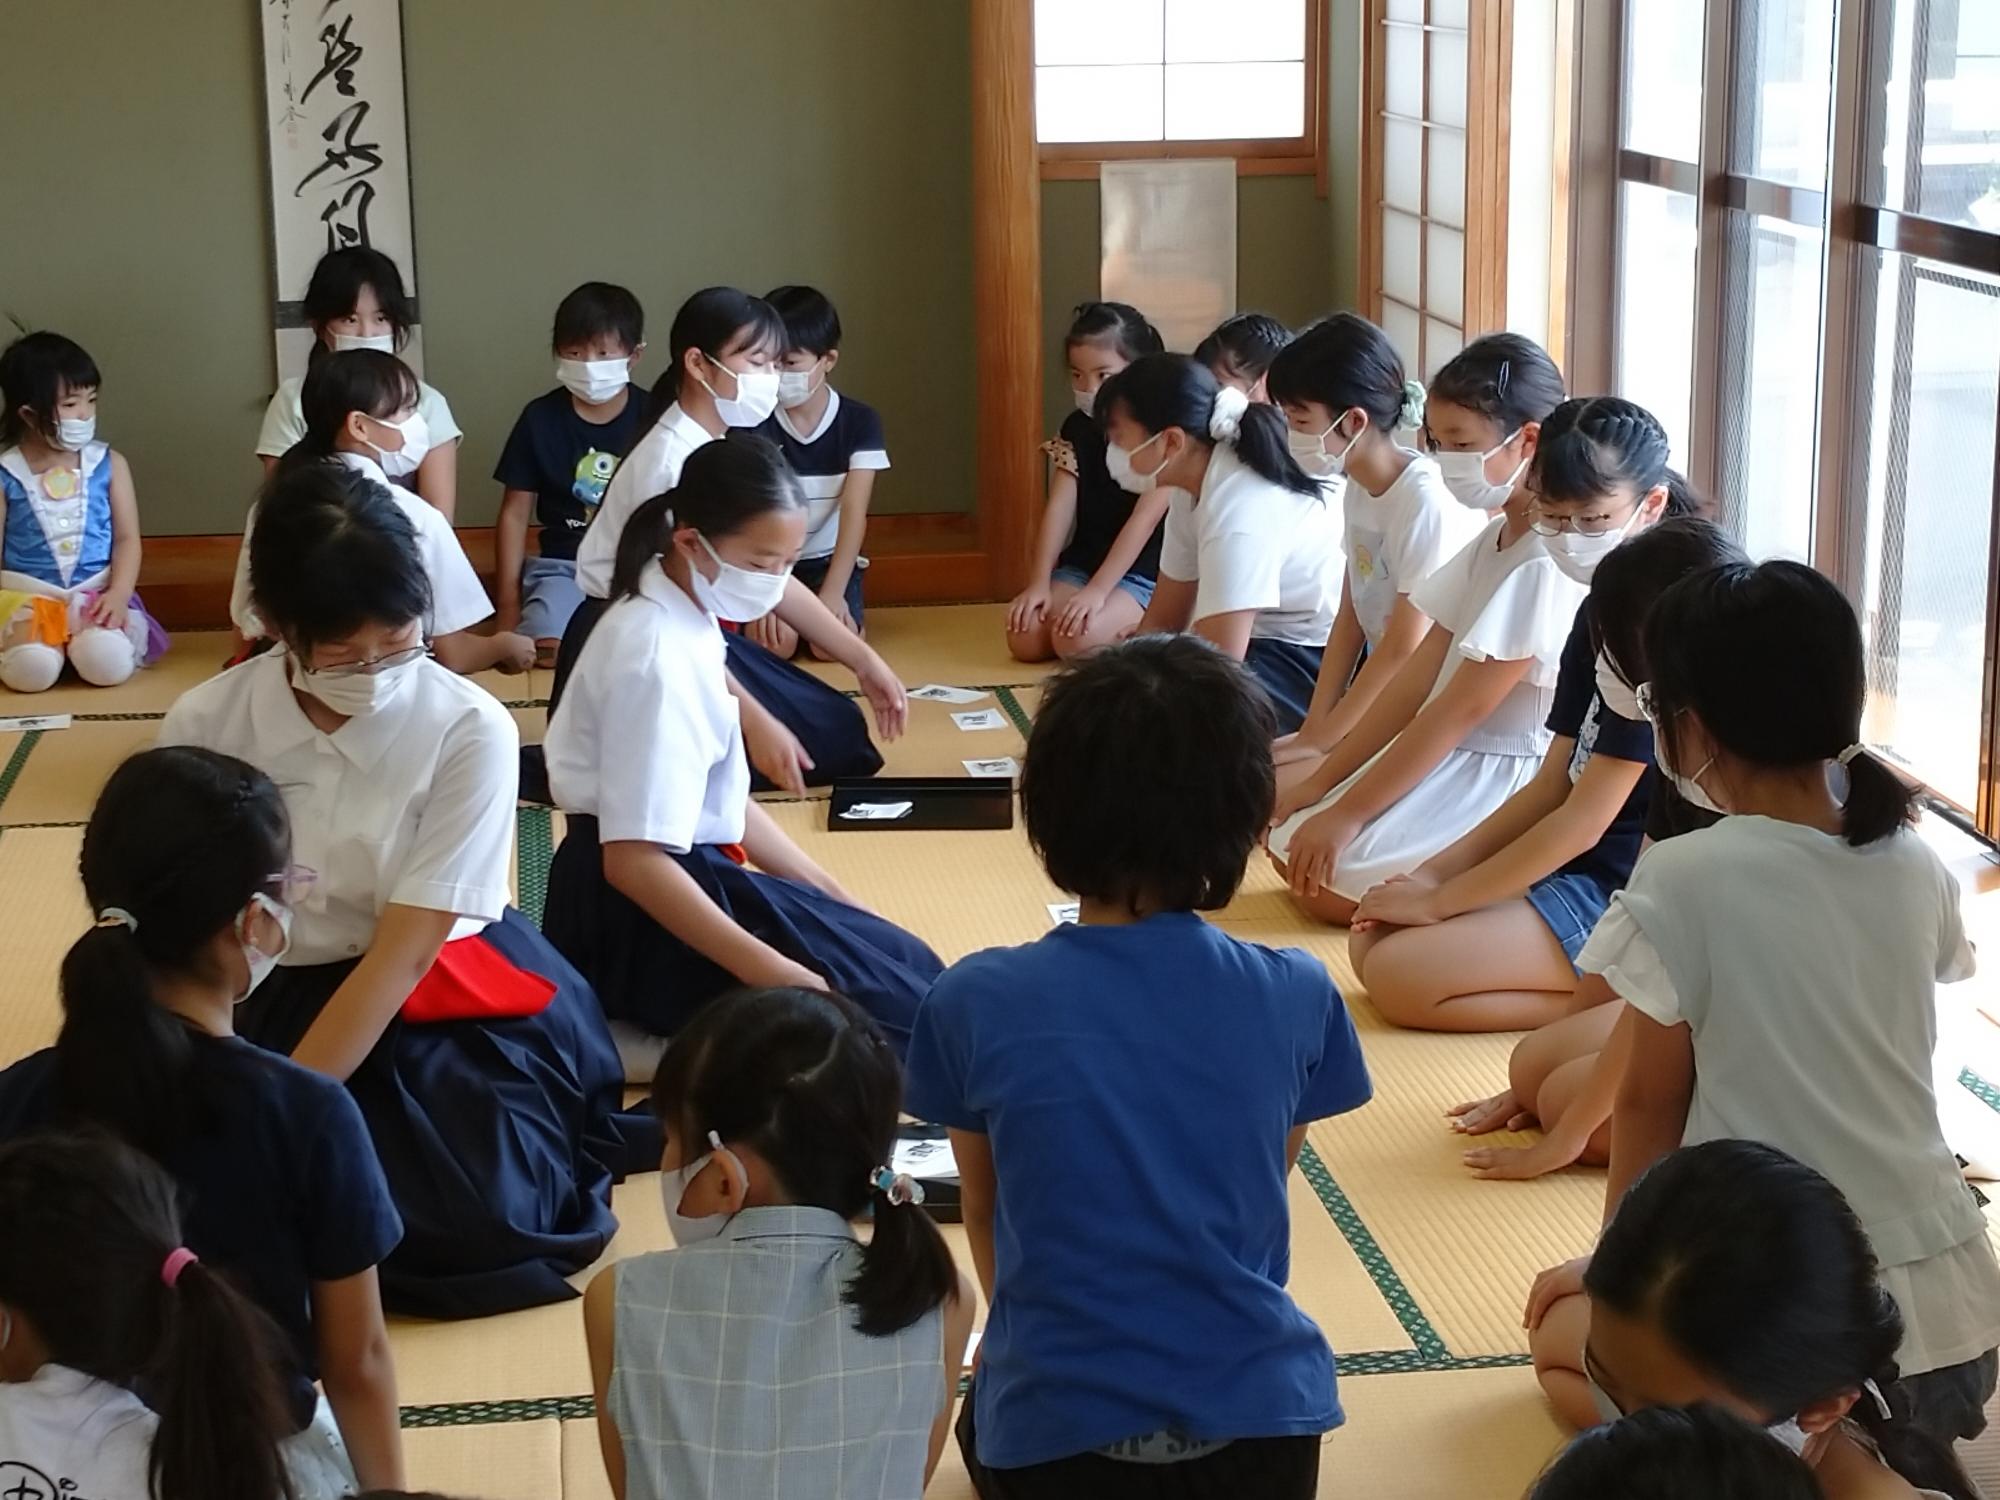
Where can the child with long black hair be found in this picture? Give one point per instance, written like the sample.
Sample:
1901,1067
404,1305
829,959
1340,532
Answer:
355,406
672,884
129,1368
1097,551
842,1358
1780,967
1678,1453
1239,351
1735,1274
1250,557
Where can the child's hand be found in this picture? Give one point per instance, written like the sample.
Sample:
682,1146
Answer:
1082,606
1522,1163
1289,749
780,972
517,652
1028,608
886,695
1316,849
1484,1116
110,609
1400,901
1293,799
776,752
1554,1284
764,631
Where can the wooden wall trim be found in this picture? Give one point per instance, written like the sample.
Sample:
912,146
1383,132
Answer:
1006,286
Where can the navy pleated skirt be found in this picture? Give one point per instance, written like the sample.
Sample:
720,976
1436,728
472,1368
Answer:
1289,673
829,724
500,1138
645,975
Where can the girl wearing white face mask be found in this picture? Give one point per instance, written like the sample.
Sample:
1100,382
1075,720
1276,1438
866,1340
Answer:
1342,388
1250,558
69,527
356,300
672,885
399,777
187,863
779,1108
1780,967
722,372
362,409
1460,728
1483,935
1735,1275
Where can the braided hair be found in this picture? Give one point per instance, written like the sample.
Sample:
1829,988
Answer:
1592,445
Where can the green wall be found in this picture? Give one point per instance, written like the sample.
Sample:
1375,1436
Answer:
666,145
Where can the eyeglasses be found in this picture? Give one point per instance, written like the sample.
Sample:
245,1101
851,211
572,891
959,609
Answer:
1543,525
368,668
292,884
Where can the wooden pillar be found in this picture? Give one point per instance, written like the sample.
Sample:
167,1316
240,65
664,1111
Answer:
1006,287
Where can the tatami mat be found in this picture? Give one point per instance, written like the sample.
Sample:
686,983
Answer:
960,645
67,768
193,657
501,1460
42,911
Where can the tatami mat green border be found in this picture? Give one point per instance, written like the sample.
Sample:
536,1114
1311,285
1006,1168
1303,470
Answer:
534,841
17,761
1980,1089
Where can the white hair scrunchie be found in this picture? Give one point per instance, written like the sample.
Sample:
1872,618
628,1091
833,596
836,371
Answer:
1225,418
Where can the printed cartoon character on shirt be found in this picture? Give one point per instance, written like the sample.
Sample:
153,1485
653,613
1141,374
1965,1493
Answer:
593,478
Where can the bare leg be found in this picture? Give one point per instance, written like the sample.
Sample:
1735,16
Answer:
1557,1346
1496,969
1119,618
1329,907
1037,642
1559,1094
1544,1053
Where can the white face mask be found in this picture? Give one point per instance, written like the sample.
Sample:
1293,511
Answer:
674,1185
1618,696
259,962
737,594
1309,450
1086,401
1689,787
403,461
381,343
594,381
357,694
755,399
797,387
73,434
1465,476
1119,462
1577,556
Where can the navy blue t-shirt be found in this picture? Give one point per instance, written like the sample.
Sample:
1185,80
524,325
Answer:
566,462
279,1180
1103,506
1578,711
848,436
1136,1086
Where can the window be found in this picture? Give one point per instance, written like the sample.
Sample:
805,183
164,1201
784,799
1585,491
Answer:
1141,78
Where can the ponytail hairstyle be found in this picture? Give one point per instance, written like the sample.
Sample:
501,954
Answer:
1633,575
724,485
717,320
1117,325
330,552
1591,446
1758,1273
1243,346
335,290
94,1262
1345,363
807,1081
36,371
375,384
1672,1452
1770,657
1172,390
180,840
1504,377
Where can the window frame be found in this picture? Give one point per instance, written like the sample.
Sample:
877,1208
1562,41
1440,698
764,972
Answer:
1278,156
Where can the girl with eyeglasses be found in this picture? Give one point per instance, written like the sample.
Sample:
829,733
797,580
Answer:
478,1056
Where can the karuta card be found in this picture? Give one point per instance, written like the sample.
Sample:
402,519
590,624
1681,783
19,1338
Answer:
937,692
983,718
34,721
1005,765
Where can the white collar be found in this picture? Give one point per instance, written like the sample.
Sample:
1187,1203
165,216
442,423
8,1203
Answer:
825,419
279,723
365,466
675,420
663,593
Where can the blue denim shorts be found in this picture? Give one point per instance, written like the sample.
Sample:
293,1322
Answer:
1571,904
1138,585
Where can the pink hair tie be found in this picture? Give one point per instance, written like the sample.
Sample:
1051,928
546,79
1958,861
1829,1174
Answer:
178,1260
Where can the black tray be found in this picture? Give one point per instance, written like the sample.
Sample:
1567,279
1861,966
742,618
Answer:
941,802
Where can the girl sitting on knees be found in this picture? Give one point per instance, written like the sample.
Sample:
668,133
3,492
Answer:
1459,729
478,1057
1342,389
1482,936
69,528
1678,1453
357,408
187,860
1129,1076
356,300
1250,559
99,1299
771,1318
672,885
1733,1274
1097,554
1780,968
1240,350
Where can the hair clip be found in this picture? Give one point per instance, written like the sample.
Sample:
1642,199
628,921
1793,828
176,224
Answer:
1849,753
899,1188
1881,1402
117,916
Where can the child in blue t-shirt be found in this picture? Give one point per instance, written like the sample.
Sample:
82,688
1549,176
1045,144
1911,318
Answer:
559,457
1125,1077
834,444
